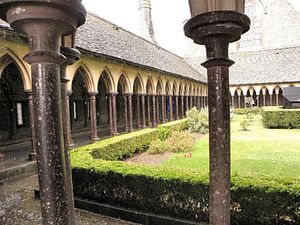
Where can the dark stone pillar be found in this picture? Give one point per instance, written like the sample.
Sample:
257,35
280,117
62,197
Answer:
191,101
149,110
72,55
13,121
138,111
216,30
257,100
114,113
157,109
232,101
68,119
51,19
154,123
171,108
186,104
143,111
163,108
271,100
93,110
126,112
130,111
182,107
32,154
110,109
177,108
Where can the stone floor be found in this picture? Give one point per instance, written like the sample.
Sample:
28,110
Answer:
20,207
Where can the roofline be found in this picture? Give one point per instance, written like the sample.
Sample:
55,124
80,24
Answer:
137,65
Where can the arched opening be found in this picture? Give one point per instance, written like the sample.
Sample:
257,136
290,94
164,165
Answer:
159,109
102,104
181,101
167,102
79,103
120,101
267,98
174,103
14,114
149,103
137,89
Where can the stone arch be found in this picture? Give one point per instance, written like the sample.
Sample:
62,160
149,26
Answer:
14,103
168,90
124,82
122,89
8,56
159,87
149,86
106,76
81,68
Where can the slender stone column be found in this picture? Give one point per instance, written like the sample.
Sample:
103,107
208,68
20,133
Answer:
186,104
191,101
182,107
171,108
177,107
271,100
32,154
216,30
92,99
130,111
143,111
154,123
138,111
114,113
277,100
257,100
149,110
264,100
51,19
239,101
111,121
163,108
157,110
72,55
232,101
126,113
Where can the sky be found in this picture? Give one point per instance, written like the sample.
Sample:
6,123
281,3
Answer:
168,18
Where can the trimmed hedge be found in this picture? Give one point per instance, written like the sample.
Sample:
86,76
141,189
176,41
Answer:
125,145
183,193
277,117
245,111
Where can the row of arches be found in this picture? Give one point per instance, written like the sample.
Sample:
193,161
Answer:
258,96
120,109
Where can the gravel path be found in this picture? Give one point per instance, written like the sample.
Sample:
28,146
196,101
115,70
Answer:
21,208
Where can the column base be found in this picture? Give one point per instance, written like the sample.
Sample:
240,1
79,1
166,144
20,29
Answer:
32,156
72,143
1,157
95,138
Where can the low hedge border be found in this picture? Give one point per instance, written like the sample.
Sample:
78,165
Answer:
245,111
125,145
182,193
278,117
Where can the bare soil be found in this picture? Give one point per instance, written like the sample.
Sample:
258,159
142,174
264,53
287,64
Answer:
157,159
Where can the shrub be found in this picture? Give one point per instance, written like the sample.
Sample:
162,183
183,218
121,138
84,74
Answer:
245,111
164,132
277,117
177,125
182,193
180,141
157,147
244,124
197,120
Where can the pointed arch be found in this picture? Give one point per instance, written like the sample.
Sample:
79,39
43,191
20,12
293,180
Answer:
107,78
7,56
138,85
159,87
175,88
86,75
150,86
181,89
168,88
124,82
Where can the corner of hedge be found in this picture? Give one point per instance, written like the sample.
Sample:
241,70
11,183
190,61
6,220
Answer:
278,117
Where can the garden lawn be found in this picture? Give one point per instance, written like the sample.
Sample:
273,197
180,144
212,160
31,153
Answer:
258,151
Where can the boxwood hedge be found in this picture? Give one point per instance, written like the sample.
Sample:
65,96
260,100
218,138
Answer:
122,146
182,193
277,117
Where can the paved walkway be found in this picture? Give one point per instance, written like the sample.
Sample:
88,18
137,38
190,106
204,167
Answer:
20,207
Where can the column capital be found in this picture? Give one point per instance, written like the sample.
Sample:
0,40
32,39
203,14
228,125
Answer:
113,93
93,93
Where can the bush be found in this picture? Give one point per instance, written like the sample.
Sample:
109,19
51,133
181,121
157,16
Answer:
125,145
245,111
182,193
277,117
164,132
197,120
157,147
244,124
180,141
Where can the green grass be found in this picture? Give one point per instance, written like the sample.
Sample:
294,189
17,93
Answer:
258,151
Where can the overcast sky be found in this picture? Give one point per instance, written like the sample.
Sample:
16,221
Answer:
168,18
